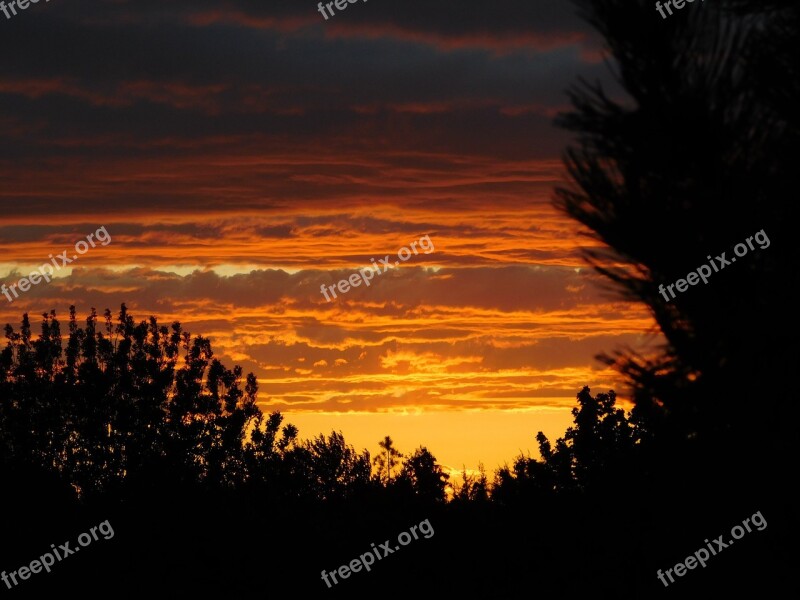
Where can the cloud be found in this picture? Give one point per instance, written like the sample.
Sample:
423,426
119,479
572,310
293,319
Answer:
242,154
485,338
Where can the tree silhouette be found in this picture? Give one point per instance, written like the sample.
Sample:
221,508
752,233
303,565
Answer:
116,408
387,460
472,488
336,470
424,476
699,157
601,450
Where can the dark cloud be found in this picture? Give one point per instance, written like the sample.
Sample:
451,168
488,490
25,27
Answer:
133,79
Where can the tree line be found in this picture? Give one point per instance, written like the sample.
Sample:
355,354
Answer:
117,404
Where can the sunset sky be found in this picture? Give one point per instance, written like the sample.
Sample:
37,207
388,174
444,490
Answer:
241,154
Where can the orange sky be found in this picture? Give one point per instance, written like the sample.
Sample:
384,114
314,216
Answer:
241,156
469,350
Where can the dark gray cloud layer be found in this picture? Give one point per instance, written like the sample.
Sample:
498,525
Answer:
115,78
